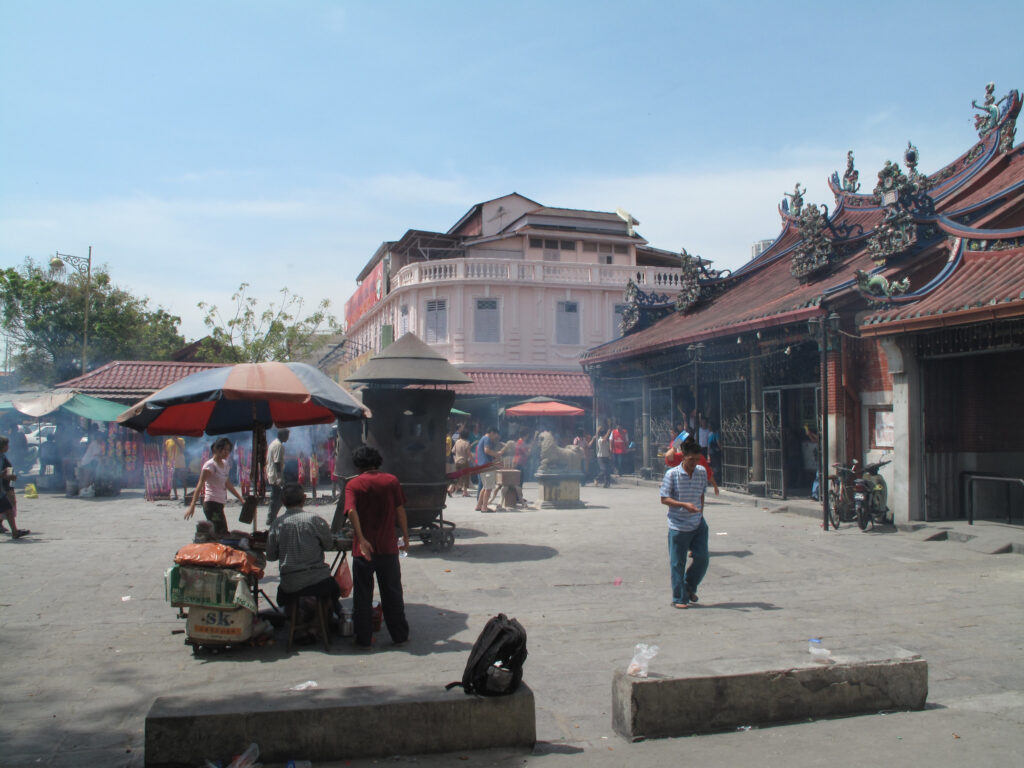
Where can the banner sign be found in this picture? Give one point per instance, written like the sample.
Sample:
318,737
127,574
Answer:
369,292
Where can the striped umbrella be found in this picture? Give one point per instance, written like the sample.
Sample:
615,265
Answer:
248,396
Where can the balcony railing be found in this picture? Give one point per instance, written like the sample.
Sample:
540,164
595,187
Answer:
517,270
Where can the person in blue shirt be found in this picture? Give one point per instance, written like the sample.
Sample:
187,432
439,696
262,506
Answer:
682,491
487,450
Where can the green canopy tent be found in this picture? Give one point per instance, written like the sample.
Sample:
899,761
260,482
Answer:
86,406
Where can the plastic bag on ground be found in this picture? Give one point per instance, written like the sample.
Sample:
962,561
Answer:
642,656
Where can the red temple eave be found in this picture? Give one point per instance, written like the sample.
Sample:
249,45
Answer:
747,326
943,320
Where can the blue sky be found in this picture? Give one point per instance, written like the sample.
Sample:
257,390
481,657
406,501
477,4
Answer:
195,145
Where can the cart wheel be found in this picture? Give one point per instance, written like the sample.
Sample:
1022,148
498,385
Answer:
437,540
425,537
448,540
195,650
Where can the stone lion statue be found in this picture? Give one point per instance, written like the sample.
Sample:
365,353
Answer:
555,460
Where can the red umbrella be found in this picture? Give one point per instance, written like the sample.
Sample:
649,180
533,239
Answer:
543,408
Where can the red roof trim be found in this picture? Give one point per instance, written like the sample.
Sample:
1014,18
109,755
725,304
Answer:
525,383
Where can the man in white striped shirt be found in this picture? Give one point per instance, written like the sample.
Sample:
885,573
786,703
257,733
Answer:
682,491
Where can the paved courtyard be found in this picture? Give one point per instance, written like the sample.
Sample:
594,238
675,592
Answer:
88,641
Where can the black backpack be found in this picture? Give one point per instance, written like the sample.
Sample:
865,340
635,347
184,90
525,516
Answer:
495,665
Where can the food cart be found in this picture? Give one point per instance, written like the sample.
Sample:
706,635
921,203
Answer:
217,581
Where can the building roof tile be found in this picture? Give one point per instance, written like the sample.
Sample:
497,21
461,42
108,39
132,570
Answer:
525,383
984,286
132,380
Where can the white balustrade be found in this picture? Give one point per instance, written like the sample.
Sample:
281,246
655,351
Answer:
517,270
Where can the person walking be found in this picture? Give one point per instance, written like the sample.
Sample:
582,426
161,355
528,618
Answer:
682,491
8,501
214,483
604,458
463,457
375,503
488,450
275,474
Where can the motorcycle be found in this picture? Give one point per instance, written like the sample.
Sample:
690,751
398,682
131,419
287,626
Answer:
870,496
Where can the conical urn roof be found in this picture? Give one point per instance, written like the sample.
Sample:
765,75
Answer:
409,361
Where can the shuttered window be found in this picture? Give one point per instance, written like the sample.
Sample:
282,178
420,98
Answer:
437,321
403,320
487,321
567,323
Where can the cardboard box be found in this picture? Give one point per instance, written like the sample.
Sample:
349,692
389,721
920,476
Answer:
217,625
210,587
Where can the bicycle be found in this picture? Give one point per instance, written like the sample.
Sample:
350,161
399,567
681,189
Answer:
841,507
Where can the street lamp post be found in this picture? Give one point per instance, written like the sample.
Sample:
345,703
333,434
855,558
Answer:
84,267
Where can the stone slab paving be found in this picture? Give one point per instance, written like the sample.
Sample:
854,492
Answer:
81,664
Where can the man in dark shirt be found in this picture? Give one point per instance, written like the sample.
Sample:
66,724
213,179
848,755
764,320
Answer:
375,503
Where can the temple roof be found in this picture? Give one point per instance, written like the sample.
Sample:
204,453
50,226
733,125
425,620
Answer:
979,286
977,197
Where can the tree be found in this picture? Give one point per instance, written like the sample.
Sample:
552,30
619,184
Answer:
278,332
44,319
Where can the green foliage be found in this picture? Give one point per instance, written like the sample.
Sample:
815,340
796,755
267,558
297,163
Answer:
278,332
44,319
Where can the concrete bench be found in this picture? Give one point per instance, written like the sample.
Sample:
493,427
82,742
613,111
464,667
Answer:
326,725
726,695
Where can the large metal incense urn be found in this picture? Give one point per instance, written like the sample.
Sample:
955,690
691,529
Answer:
405,391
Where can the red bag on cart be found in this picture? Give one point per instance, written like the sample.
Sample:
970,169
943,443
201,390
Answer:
343,577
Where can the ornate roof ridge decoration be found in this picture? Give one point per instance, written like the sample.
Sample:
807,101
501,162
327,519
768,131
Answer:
815,252
995,244
698,283
689,281
850,183
643,308
902,196
790,209
1000,114
878,289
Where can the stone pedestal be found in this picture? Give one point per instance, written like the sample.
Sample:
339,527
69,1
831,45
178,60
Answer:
559,490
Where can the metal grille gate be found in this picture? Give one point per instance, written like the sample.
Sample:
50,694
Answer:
735,434
774,448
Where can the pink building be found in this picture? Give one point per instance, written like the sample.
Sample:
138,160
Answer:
512,286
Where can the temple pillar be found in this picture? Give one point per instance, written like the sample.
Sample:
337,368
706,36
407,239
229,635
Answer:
906,495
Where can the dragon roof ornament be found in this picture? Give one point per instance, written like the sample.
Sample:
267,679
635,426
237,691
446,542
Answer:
878,289
1001,114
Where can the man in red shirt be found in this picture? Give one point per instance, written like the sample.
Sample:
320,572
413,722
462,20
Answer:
375,503
620,444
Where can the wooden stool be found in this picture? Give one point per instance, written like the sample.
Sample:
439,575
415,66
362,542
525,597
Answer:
323,606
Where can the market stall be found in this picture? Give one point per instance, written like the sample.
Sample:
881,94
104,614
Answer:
242,398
